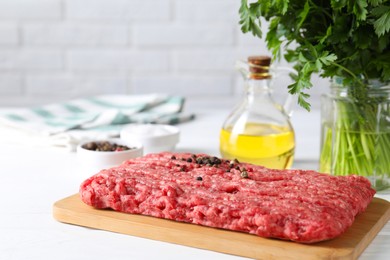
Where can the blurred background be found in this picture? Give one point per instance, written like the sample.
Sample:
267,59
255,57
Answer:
54,50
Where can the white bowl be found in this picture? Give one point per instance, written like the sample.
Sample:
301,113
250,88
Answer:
154,137
92,162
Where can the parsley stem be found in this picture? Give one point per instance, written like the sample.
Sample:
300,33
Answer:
349,72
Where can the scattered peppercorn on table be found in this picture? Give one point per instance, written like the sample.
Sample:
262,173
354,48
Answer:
33,178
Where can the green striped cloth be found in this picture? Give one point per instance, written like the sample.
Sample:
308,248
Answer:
68,123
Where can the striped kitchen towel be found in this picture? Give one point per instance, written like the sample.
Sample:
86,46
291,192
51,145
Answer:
69,123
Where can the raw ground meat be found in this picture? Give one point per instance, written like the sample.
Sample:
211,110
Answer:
298,205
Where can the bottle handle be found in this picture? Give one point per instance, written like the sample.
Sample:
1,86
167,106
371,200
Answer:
290,99
288,104
242,67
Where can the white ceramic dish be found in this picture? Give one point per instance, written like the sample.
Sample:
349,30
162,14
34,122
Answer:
154,137
92,162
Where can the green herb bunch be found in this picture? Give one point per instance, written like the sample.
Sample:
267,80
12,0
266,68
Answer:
335,38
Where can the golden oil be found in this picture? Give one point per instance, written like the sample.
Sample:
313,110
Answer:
262,144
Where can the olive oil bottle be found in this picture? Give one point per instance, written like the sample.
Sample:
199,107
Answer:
258,130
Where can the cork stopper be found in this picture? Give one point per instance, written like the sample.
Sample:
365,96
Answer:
259,67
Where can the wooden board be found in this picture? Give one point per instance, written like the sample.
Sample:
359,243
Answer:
348,246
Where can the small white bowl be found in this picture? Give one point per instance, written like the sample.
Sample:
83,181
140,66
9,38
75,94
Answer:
154,137
92,162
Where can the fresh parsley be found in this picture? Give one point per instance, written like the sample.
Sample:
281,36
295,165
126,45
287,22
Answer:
344,38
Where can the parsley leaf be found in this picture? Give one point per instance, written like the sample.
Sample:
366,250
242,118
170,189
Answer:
382,24
250,18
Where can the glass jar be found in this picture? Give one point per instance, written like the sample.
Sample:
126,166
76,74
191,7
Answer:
258,130
355,131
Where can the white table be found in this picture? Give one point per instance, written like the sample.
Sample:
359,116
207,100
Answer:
32,179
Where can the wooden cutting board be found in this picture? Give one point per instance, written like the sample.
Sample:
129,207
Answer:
348,246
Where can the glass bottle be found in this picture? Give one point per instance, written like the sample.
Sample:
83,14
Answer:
258,130
355,131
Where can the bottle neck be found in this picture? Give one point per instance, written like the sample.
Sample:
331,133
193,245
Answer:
257,88
258,92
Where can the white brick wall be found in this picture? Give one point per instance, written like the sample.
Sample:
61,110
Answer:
8,35
204,11
191,85
75,34
31,60
190,35
28,10
51,50
154,11
13,83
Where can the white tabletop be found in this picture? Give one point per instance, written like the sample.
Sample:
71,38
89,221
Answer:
32,179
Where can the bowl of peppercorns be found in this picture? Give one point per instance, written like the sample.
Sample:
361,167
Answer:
97,155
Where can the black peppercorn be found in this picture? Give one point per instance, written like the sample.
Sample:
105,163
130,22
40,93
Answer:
199,178
205,160
212,160
231,164
90,146
105,146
